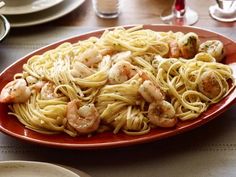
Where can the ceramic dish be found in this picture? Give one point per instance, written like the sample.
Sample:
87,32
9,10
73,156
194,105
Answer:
216,14
46,16
36,169
21,7
4,27
11,126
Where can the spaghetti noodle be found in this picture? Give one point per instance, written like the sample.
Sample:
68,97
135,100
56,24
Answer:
126,80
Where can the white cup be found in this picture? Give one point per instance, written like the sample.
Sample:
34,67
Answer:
226,8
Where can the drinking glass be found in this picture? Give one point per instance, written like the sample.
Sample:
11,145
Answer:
107,8
179,14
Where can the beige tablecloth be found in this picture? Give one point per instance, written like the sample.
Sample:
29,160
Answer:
206,151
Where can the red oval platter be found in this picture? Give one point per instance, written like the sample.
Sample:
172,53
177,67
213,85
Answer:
11,126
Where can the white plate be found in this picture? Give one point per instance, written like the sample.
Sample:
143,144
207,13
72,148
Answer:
33,169
44,16
214,14
25,7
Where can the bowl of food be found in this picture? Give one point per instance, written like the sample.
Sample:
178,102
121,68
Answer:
118,87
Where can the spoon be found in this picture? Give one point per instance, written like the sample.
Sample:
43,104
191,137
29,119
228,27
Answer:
219,4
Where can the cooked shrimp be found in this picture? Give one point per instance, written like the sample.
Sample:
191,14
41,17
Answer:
31,80
105,64
150,92
90,57
81,70
106,51
121,72
213,47
47,91
162,115
189,45
122,56
209,84
38,85
84,119
15,91
174,50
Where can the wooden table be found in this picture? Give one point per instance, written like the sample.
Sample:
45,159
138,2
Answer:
206,151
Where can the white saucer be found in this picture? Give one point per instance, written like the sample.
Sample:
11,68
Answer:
214,12
44,16
30,7
35,169
4,28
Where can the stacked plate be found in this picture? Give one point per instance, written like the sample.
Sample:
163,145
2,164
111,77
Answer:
37,169
33,12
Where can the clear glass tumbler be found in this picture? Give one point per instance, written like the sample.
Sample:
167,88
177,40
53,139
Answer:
107,8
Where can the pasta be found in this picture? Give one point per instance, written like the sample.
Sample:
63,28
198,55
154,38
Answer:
129,80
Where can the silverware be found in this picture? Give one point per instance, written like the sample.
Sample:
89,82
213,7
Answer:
232,3
219,4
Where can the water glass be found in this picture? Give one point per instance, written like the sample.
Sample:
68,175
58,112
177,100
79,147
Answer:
179,14
107,8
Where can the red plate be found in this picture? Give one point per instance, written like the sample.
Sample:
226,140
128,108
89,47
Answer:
11,126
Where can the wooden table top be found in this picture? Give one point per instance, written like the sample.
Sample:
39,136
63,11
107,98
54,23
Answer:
137,12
